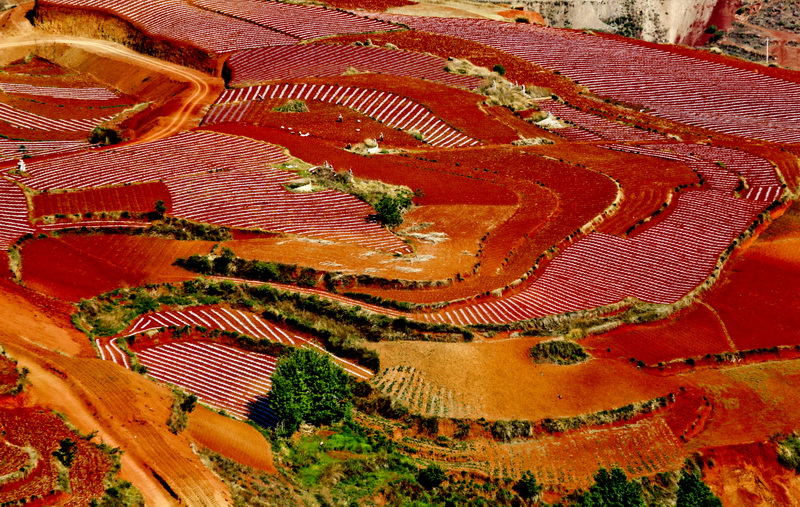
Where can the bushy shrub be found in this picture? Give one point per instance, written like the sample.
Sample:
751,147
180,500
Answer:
558,352
431,477
789,452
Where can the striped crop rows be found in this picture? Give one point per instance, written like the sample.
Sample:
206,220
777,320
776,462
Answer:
233,320
595,126
179,155
25,120
659,265
295,62
175,19
11,150
256,199
301,21
394,110
92,93
13,214
681,88
221,376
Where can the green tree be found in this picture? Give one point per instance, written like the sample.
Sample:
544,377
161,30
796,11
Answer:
308,386
431,477
528,487
390,209
612,489
693,492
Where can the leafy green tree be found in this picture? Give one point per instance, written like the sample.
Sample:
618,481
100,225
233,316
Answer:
612,489
528,487
308,386
693,492
390,209
431,477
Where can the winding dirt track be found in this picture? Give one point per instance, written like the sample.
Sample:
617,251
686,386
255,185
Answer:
204,89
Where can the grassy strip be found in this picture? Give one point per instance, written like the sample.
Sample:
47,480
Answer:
226,263
563,424
182,405
342,328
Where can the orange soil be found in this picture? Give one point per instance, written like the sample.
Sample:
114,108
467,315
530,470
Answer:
495,376
231,438
463,226
74,267
531,16
128,410
749,474
693,332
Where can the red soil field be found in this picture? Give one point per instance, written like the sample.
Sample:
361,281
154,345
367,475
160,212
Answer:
463,226
43,430
231,438
22,135
36,66
8,375
76,267
58,109
134,198
321,122
757,300
369,5
458,108
749,474
693,332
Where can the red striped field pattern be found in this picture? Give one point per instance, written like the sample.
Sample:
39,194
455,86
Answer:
389,108
90,93
301,21
24,119
296,62
221,376
669,85
256,199
175,19
659,265
591,127
12,150
232,320
179,155
134,198
13,214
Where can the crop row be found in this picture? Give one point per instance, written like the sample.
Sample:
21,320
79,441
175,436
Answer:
233,320
389,108
301,21
256,199
175,19
673,86
11,150
222,376
593,124
91,93
134,198
659,265
179,155
24,119
13,214
297,62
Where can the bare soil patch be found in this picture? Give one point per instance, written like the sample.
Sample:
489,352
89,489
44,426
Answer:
500,381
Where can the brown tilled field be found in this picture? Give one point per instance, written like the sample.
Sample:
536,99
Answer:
583,254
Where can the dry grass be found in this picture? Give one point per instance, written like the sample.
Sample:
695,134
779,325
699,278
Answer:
498,90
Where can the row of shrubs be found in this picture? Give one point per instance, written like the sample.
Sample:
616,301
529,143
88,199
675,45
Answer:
228,264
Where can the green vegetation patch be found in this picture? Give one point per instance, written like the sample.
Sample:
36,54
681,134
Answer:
292,106
789,452
558,352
